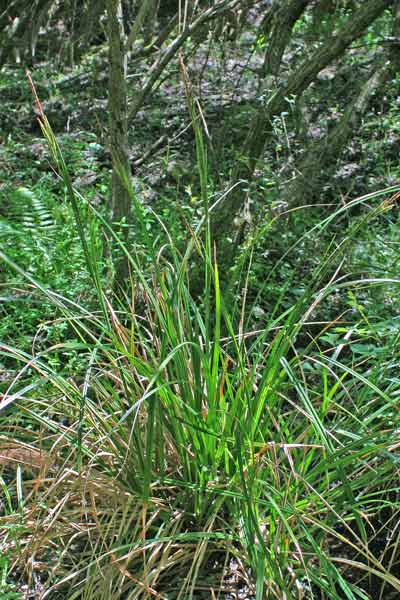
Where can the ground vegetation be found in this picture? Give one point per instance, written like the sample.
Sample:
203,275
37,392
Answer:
199,274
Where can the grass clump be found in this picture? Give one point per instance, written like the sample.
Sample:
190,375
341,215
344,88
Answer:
196,458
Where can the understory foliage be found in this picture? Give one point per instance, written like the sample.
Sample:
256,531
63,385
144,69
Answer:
197,457
199,384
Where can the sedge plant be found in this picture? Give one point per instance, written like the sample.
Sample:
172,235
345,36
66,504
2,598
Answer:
197,458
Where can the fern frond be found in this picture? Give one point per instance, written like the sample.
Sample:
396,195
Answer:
33,213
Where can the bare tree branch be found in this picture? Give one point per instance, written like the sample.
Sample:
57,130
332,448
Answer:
168,54
305,74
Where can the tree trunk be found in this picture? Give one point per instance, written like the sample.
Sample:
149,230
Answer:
281,26
117,112
306,73
278,29
261,127
394,53
320,162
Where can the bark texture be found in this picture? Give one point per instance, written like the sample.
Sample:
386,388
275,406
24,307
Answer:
117,110
280,27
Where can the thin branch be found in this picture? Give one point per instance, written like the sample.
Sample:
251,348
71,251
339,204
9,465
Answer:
168,54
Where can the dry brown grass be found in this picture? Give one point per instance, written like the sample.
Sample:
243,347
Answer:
30,459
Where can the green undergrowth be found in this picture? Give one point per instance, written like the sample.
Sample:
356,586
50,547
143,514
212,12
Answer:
199,456
37,232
